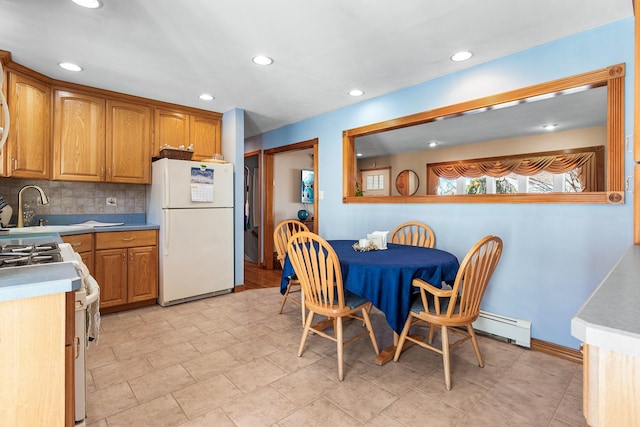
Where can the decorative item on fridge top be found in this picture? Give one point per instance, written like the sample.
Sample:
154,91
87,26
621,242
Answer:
178,153
307,178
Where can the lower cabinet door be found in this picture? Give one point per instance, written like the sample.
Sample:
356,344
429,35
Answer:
111,274
142,273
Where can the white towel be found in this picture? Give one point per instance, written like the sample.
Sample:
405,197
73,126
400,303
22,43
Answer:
93,310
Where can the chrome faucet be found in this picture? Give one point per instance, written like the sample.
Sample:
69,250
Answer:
43,198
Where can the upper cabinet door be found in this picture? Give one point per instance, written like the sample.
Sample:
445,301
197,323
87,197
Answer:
128,149
171,128
78,137
27,151
205,135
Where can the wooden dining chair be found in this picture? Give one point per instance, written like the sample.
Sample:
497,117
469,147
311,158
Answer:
459,306
317,267
415,234
281,236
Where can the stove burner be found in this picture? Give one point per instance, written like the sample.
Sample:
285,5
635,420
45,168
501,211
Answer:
20,255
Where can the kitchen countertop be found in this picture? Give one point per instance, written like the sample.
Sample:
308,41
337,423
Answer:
44,279
610,318
124,227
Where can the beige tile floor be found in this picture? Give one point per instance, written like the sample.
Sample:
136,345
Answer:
231,361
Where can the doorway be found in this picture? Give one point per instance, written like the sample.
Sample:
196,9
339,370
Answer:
251,207
283,189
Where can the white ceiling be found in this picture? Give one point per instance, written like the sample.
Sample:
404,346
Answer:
174,50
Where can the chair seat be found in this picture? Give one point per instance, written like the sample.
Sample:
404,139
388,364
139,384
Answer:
418,307
352,300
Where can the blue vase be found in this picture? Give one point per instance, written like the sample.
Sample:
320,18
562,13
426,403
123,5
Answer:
303,214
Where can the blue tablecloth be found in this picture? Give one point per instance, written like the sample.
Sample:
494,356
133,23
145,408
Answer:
384,277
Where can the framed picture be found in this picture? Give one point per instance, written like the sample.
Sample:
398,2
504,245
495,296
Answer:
306,178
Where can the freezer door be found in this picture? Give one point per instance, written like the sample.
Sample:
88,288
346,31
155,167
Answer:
196,253
171,183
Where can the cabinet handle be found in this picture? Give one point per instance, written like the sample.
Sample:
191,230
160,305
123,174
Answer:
76,244
15,164
124,259
108,173
131,257
102,172
127,239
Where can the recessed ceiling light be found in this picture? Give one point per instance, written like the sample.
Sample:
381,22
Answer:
91,4
356,92
461,56
359,155
433,144
69,66
262,60
550,126
206,97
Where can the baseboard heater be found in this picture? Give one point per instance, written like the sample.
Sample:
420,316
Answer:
516,330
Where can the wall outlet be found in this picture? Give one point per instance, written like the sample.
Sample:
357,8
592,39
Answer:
111,201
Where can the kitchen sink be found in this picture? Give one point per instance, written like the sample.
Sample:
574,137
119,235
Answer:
49,229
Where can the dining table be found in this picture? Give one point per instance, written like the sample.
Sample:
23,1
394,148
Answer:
385,277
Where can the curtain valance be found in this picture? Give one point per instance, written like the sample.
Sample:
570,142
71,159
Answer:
527,166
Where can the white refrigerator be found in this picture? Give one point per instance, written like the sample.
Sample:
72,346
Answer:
193,204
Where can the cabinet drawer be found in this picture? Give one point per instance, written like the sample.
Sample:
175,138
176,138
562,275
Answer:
126,239
80,242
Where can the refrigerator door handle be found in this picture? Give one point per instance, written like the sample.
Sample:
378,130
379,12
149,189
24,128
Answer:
166,186
167,231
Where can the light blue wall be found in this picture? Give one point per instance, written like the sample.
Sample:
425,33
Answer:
232,150
554,255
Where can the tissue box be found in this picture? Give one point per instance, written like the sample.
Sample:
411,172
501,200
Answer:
379,238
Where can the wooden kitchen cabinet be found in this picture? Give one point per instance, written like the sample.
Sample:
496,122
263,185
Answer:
35,360
27,150
128,143
83,245
205,134
68,132
111,275
176,128
126,267
170,128
100,140
142,274
610,387
78,137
